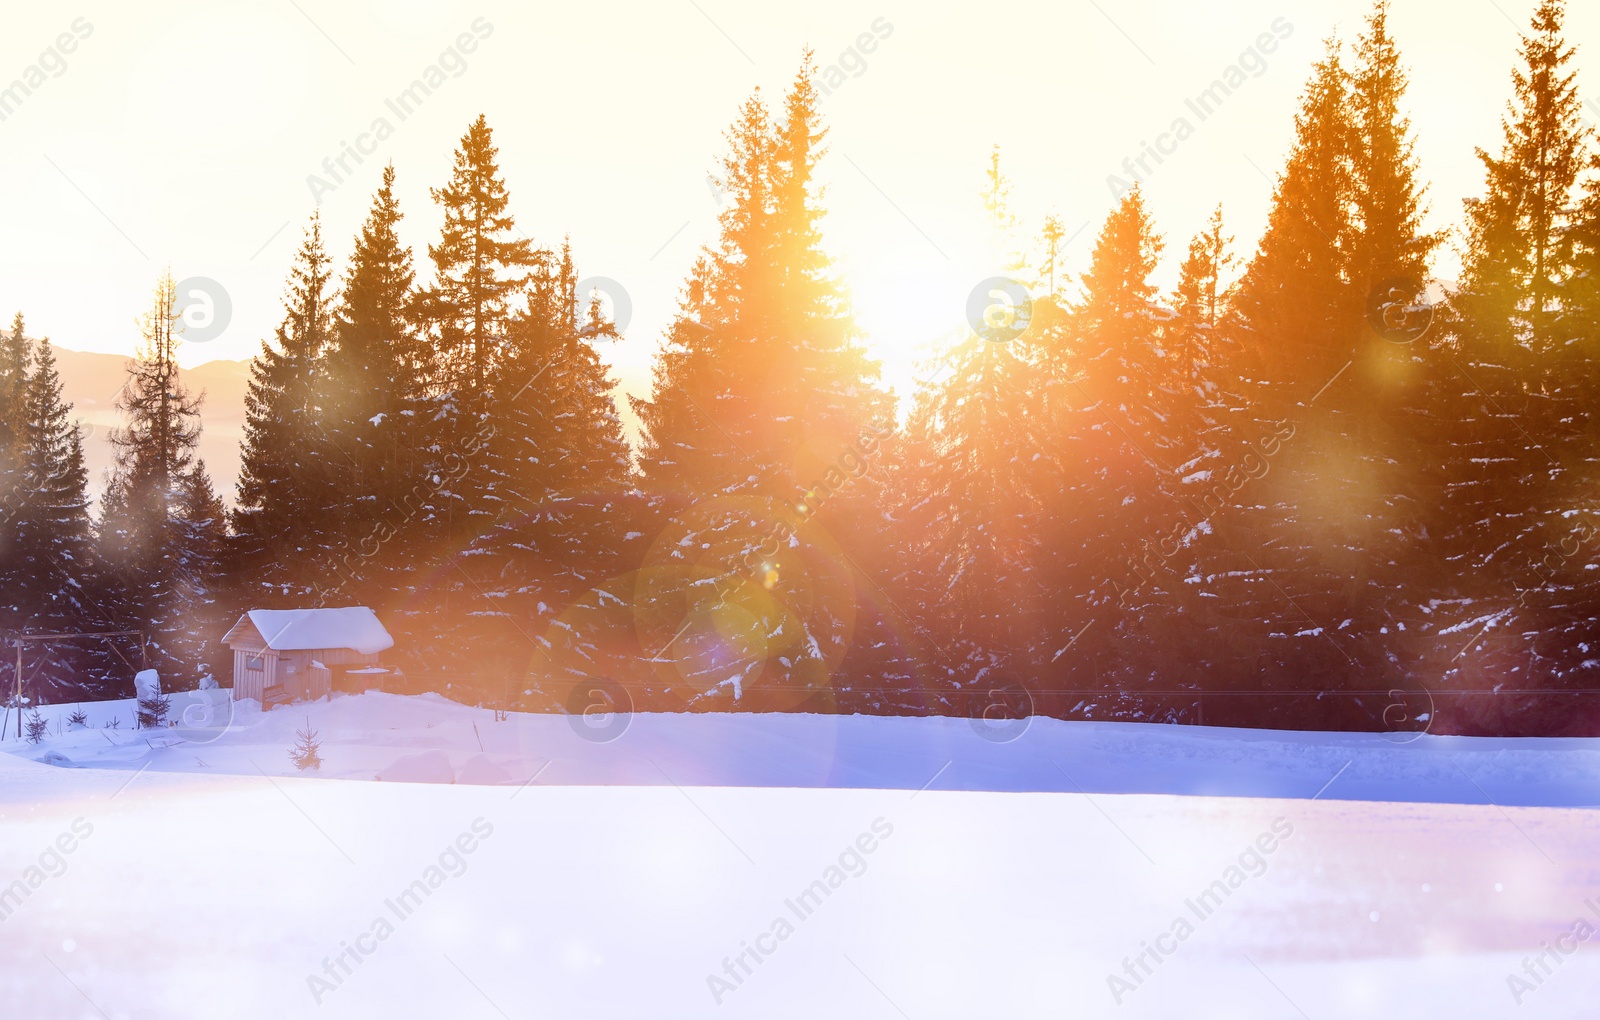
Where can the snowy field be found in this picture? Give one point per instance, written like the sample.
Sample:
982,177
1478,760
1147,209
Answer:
787,866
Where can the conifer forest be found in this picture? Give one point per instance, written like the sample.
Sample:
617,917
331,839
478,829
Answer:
1312,485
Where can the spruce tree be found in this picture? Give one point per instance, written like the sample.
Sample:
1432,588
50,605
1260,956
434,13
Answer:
479,267
1204,387
1387,239
13,439
564,495
976,474
1519,250
145,536
1537,481
373,387
558,434
762,387
198,570
695,394
55,555
1112,403
14,355
1523,392
1297,306
1392,431
285,518
48,574
1315,549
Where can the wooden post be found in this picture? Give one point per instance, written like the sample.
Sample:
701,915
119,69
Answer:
19,688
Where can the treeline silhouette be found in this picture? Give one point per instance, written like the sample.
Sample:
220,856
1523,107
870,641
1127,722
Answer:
1310,490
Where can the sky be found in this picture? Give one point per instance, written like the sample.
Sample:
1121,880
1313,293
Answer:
186,134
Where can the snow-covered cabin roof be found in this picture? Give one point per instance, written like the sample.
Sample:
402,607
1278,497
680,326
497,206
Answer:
293,630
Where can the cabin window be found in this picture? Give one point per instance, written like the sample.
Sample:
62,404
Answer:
255,662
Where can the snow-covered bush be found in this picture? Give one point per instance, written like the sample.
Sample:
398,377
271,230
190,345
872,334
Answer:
153,705
146,684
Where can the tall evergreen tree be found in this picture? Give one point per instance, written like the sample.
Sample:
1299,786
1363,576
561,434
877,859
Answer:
373,392
1392,430
13,439
1519,242
762,387
1295,300
1205,391
285,518
1319,547
557,427
48,573
145,533
1117,444
55,555
479,266
970,493
563,500
1387,238
1526,351
1002,223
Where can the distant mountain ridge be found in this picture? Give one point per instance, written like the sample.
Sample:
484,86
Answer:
92,381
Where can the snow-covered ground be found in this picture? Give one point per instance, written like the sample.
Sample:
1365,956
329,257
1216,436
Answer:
854,866
366,734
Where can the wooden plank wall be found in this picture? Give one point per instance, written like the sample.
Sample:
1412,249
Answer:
304,682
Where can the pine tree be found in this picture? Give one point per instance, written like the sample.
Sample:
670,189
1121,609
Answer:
198,567
1387,239
479,267
285,516
1292,552
563,493
762,387
307,750
48,574
1519,250
1112,397
1297,307
13,407
373,386
55,556
558,430
144,535
1520,393
1391,432
695,393
970,491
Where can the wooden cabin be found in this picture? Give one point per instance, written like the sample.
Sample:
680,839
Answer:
299,650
